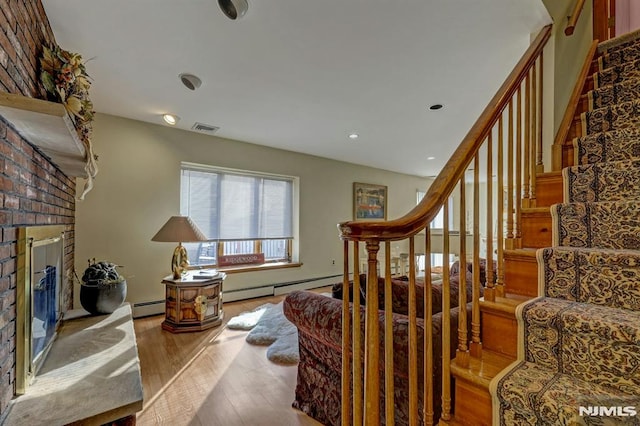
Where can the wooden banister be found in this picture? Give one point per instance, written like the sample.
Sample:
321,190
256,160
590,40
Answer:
418,218
573,19
363,405
565,125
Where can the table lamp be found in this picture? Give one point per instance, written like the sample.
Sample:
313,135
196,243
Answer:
179,229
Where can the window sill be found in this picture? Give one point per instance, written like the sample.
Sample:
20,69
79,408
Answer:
254,268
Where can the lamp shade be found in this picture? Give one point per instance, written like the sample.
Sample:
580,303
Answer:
179,229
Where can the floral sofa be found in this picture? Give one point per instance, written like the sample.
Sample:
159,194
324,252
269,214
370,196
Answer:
319,322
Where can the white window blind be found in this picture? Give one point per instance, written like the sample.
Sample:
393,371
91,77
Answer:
233,205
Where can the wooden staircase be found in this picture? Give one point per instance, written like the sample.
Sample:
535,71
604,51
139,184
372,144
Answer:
498,320
473,405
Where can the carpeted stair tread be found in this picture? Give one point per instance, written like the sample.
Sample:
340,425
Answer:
532,395
589,342
619,57
579,341
610,181
617,74
620,42
605,224
619,116
617,145
626,91
591,275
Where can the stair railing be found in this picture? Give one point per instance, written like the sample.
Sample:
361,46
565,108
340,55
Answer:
572,20
475,171
562,148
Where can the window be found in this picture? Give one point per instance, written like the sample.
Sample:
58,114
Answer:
438,221
241,212
437,259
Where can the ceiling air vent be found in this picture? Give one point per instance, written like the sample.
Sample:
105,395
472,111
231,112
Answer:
205,128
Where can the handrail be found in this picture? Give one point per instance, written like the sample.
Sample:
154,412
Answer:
572,106
418,218
573,19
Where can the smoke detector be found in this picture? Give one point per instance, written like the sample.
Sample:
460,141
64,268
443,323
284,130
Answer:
233,9
191,82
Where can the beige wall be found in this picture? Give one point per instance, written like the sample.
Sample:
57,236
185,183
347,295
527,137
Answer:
137,190
569,52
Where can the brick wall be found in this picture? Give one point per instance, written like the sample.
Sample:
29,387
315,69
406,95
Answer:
32,190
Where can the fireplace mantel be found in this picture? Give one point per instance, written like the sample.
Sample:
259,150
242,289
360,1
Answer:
48,126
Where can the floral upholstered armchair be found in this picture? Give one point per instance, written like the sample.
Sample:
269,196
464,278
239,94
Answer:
319,322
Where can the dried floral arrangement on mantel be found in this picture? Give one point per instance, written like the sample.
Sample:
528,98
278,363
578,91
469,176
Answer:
65,79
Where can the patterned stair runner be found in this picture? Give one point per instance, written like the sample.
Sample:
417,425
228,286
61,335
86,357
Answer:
600,277
626,91
616,74
601,147
579,341
613,181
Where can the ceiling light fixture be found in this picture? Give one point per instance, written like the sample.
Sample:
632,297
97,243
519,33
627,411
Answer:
170,119
431,158
190,81
354,136
233,9
435,107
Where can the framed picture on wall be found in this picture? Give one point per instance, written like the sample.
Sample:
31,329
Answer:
369,201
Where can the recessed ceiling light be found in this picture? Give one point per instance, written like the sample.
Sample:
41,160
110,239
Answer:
170,119
354,136
435,107
431,158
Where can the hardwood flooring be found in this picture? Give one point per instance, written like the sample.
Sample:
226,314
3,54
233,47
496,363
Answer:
213,377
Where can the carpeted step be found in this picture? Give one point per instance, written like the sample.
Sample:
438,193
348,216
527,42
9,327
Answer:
618,43
595,343
616,74
626,91
531,395
617,145
600,277
605,224
619,57
614,117
610,181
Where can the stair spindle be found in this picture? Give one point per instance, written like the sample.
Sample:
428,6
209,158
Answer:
388,338
346,343
475,346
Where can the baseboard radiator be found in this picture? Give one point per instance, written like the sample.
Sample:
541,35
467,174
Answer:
156,307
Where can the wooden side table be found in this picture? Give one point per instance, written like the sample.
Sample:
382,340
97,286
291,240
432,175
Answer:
193,303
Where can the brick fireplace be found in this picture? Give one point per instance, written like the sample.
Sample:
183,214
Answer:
33,191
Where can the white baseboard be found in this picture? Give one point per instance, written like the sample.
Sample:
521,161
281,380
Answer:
305,286
157,307
249,293
145,309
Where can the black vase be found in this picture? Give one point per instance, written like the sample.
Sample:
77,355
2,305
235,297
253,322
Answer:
101,299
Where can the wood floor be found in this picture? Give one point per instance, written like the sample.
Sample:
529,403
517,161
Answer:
213,377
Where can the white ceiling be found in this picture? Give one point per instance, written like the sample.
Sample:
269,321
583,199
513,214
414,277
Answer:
303,74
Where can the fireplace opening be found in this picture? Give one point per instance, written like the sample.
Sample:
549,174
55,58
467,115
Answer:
39,306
